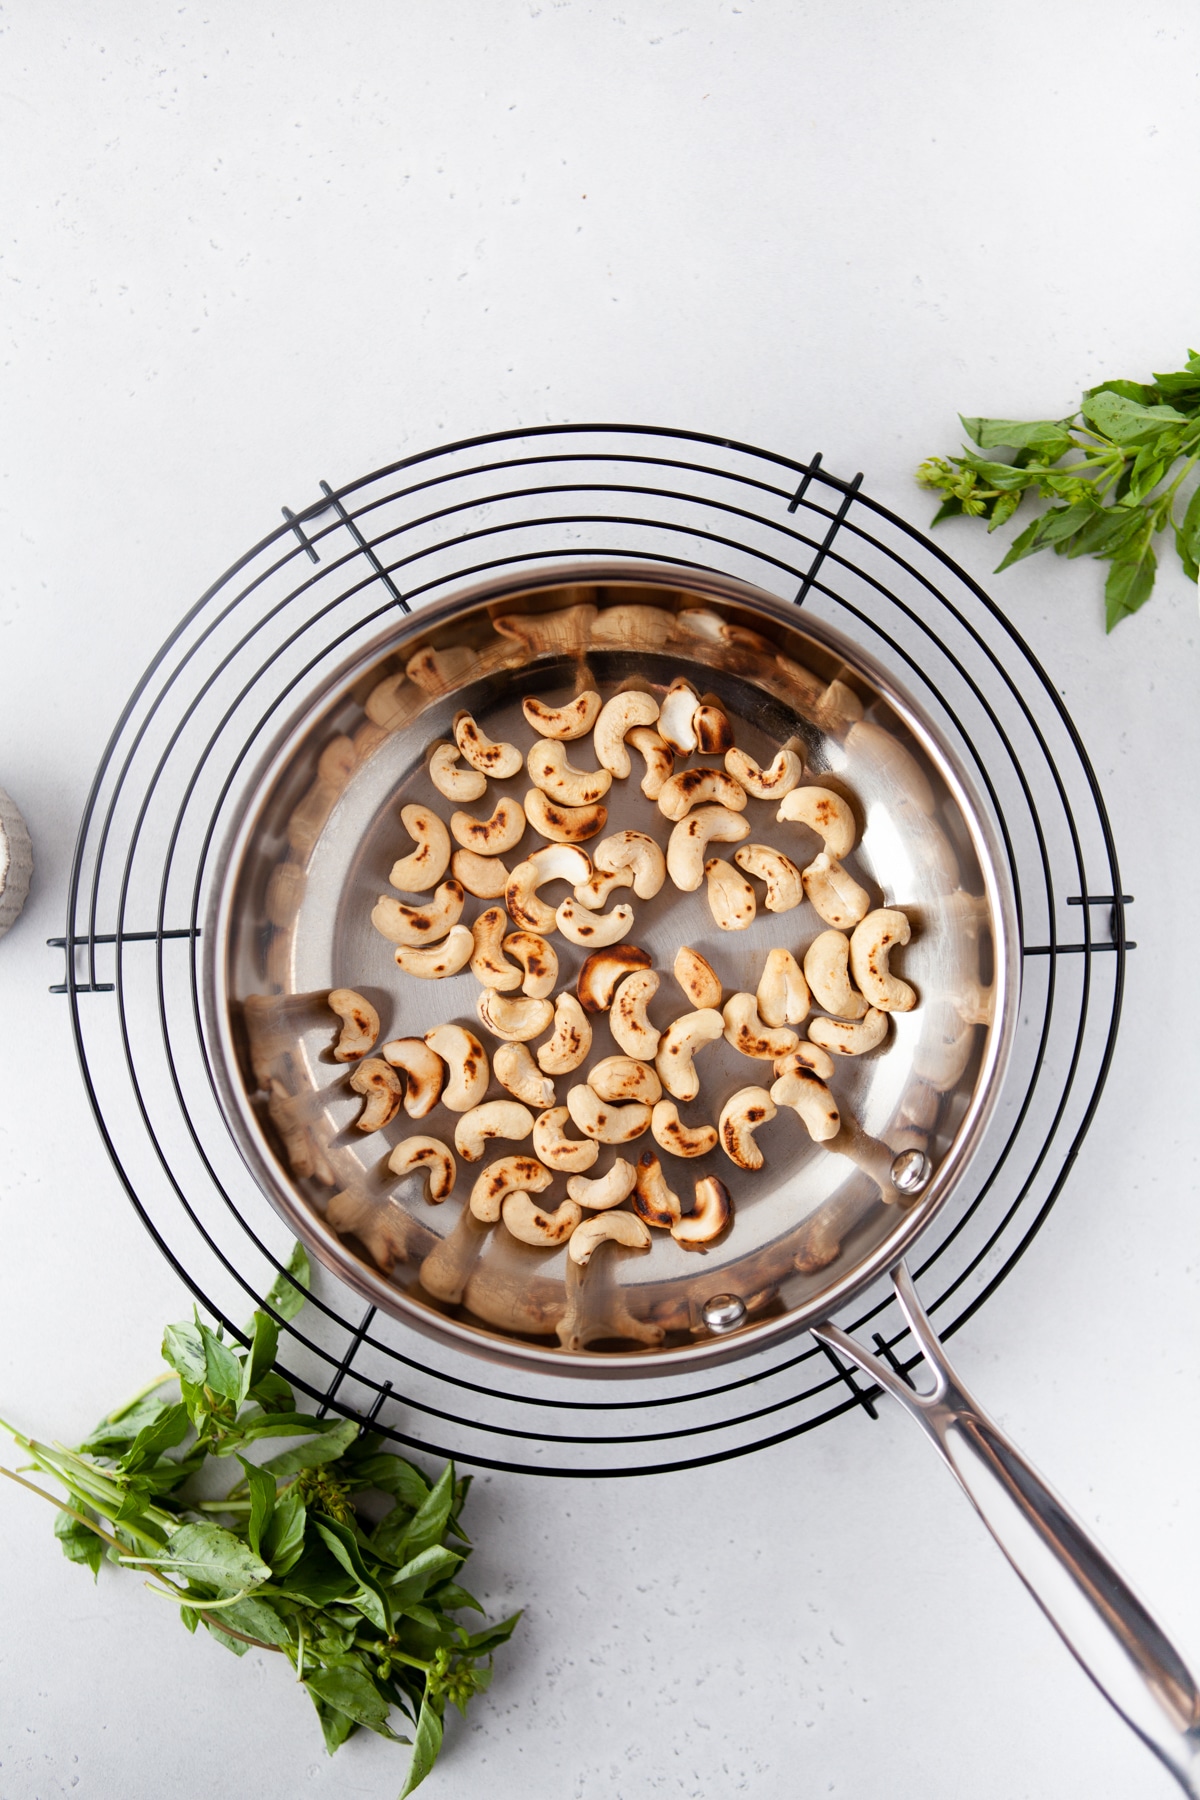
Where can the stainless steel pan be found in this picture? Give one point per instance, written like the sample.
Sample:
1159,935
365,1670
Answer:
291,920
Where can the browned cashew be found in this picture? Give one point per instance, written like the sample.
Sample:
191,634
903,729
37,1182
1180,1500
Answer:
624,1078
745,1030
423,867
498,760
466,1063
811,1101
765,784
538,959
556,1149
827,966
494,836
627,1019
676,718
711,1213
846,1037
381,1086
484,876
730,897
784,886
653,1200
806,1056
423,1071
681,1042
697,978
690,839
835,894
507,1175
714,733
618,717
633,850
440,960
564,824
560,780
605,1190
417,926
517,1071
602,1120
572,1038
432,1158
593,930
488,963
555,862
513,1018
741,1116
570,721
658,757
782,994
669,1131
455,783
594,893
360,1024
870,947
694,787
531,1225
618,1227
602,970
493,1119
825,813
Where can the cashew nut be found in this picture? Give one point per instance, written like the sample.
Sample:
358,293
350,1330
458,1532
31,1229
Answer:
784,886
555,862
494,1119
634,850
826,813
603,969
570,721
488,964
602,1120
782,994
507,1175
484,876
618,716
490,837
627,1018
517,1071
497,760
746,1031
835,894
423,1071
697,978
870,946
564,824
765,784
846,1038
467,1063
451,780
418,925
690,840
714,733
432,1158
682,1041
676,717
692,787
558,1151
595,892
531,1225
383,1090
711,1213
658,757
741,1116
624,1078
669,1130
653,1200
360,1024
550,771
606,1190
620,1227
512,1018
591,929
572,1038
446,958
827,966
537,957
811,1101
806,1056
423,867
730,897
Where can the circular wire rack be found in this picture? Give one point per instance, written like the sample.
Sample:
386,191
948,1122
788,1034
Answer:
295,607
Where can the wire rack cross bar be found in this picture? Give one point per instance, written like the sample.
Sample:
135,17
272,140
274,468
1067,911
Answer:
849,491
366,546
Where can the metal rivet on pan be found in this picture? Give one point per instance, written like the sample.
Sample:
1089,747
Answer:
911,1171
724,1312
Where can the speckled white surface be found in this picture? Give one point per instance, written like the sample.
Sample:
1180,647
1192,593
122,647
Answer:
247,247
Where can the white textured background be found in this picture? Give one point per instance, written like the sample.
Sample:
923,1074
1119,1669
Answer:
245,247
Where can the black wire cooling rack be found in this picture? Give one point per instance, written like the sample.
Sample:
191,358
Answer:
297,605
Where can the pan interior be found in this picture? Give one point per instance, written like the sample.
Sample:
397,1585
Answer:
312,854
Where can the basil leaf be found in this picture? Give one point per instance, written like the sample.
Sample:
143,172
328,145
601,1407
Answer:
483,1642
272,1393
345,1685
1023,545
1187,536
431,1517
427,1741
336,1437
283,1538
183,1348
1149,466
170,1428
409,1585
1129,585
340,1542
262,1502
1111,527
392,1475
1126,422
264,1343
211,1554
1141,392
1003,510
315,1578
336,1726
1051,436
79,1545
110,1438
453,1598
222,1370
289,1290
257,1618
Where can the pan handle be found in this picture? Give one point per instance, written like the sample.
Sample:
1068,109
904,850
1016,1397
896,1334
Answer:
1094,1611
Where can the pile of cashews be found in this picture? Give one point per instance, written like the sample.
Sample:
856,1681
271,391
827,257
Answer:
509,949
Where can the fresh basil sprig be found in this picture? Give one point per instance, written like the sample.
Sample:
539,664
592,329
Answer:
1110,502
295,1557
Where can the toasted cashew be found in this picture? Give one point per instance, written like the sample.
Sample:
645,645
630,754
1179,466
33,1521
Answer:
604,1121
423,1071
745,1030
711,1213
805,1056
847,1037
826,813
432,1158
870,946
620,715
835,894
595,892
634,850
564,824
624,1078
531,1225
572,1038
418,925
658,757
741,1116
730,897
360,1024
681,1042
811,1101
494,1119
497,760
516,1019
466,1060
784,886
669,1130
558,1151
714,733
627,1018
782,994
619,1227
697,978
595,931
383,1090
539,960
484,876
446,958
517,1071
677,715
454,782
550,771
490,837
765,784
423,867
605,1190
827,966
570,721
603,969
555,862
690,840
488,964
507,1175
653,1200
693,787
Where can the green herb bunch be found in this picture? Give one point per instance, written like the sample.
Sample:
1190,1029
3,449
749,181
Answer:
1133,446
284,1560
